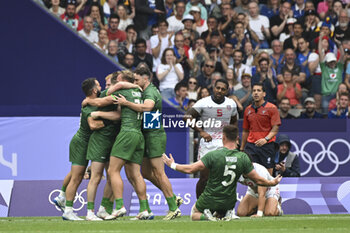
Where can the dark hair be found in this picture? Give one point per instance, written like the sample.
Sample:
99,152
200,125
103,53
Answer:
179,85
154,26
285,98
231,132
344,94
115,76
140,41
260,85
298,23
239,22
224,81
114,16
100,9
163,21
287,71
163,61
238,50
130,26
128,54
88,86
200,92
143,70
264,59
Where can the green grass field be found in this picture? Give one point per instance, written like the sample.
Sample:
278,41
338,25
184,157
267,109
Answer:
289,223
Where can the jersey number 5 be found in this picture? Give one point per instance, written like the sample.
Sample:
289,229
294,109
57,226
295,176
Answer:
219,112
229,171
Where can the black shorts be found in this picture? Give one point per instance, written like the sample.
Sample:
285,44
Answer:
316,84
264,155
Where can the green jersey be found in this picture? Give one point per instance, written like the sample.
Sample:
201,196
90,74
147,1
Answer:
152,93
130,119
226,166
331,78
84,130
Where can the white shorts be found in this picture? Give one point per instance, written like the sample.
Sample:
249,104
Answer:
206,147
271,192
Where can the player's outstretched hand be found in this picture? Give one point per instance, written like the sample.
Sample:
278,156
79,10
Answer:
278,179
206,136
168,161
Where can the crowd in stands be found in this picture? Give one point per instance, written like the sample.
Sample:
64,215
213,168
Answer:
299,50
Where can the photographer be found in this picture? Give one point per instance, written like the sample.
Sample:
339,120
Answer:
286,162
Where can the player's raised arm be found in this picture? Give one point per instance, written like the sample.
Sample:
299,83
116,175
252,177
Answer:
122,85
111,115
147,106
184,168
253,175
98,102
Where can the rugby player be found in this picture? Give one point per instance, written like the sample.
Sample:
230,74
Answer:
225,167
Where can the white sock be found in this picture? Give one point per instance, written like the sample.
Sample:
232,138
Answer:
62,194
68,209
90,212
102,208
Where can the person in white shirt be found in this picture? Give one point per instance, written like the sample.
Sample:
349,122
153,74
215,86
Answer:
56,9
201,24
169,73
175,21
259,24
216,107
265,199
87,31
238,67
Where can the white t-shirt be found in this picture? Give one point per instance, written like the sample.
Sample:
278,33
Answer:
223,112
165,44
92,37
203,28
124,23
243,69
255,25
175,25
171,79
314,57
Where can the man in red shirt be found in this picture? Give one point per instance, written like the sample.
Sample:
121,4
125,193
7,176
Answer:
113,32
260,125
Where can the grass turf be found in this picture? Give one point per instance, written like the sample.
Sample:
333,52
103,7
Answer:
288,223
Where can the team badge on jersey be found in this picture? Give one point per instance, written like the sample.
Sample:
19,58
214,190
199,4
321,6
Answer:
151,120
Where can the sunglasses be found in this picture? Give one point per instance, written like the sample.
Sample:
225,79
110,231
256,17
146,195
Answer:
192,82
209,66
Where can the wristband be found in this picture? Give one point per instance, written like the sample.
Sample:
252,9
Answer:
173,166
260,213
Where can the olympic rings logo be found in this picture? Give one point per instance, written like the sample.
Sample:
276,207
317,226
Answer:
78,197
321,155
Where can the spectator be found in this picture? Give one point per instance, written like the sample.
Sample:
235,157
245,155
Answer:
226,56
226,21
326,29
310,24
214,43
342,109
71,18
141,55
147,13
113,50
335,102
278,23
188,22
233,84
292,41
109,7
334,12
214,77
297,70
192,86
102,40
169,73
249,54
208,68
284,108
310,110
277,53
242,34
243,7
203,10
55,7
259,24
155,31
323,8
342,31
238,67
287,163
182,54
128,61
125,19
190,104
271,9
200,54
180,100
113,32
244,94
289,89
266,78
169,8
99,20
175,21
289,32
128,45
200,24
160,42
203,92
298,9
87,31
255,64
212,27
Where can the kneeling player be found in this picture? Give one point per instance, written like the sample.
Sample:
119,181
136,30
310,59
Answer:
226,166
258,200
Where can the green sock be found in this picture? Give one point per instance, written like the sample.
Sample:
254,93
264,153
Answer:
174,196
69,203
171,203
119,203
104,202
109,207
148,208
91,205
63,189
143,205
202,217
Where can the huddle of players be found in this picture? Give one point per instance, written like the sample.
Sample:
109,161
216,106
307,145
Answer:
111,144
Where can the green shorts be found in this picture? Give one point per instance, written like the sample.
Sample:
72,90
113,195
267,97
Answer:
222,205
129,146
155,144
100,147
77,151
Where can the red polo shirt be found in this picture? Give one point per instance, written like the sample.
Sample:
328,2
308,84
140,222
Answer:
259,121
120,35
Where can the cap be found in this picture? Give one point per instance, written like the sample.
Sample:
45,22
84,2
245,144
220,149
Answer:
330,57
195,8
327,23
187,17
309,99
291,20
310,12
